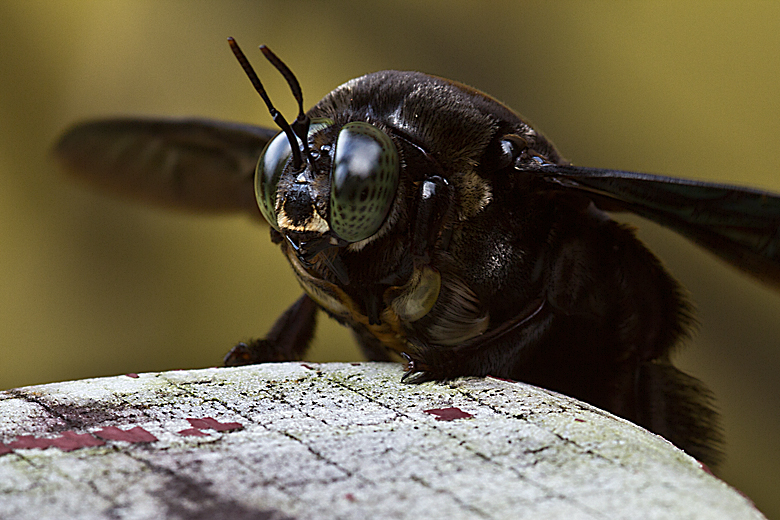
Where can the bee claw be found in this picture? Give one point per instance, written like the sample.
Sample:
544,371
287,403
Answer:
411,367
416,372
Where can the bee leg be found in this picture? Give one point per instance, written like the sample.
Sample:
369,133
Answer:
372,348
287,340
680,408
436,201
416,372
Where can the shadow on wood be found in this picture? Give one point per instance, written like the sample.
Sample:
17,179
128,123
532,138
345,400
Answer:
301,440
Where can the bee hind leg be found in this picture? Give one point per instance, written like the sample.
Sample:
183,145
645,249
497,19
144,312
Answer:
680,408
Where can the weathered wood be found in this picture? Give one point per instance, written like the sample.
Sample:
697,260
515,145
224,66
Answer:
298,440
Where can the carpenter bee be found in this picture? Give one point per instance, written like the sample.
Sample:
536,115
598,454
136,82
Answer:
441,227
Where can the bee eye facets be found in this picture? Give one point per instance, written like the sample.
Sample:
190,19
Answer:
364,179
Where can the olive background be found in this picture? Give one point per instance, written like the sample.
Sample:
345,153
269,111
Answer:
92,285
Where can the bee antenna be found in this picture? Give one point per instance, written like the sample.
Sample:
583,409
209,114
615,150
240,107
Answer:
278,117
301,124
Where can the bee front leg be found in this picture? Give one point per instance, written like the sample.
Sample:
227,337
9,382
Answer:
417,372
287,340
435,202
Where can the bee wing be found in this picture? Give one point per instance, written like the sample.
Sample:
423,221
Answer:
740,225
193,164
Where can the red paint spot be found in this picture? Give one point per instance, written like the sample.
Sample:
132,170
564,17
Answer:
350,497
4,450
136,434
503,379
304,365
448,414
133,375
71,440
193,432
576,419
355,364
24,442
67,441
209,423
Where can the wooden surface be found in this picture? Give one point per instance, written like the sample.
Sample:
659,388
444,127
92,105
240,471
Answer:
301,440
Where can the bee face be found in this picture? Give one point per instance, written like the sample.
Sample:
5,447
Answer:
343,192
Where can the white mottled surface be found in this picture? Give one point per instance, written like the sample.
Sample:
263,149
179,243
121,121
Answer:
340,441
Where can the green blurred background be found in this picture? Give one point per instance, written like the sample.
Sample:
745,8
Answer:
91,285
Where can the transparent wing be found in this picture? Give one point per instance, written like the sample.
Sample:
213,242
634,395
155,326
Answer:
193,164
740,225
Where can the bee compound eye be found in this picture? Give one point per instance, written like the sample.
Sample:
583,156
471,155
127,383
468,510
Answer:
275,156
364,179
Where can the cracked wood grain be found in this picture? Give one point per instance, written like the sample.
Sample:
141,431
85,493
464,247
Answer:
293,440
